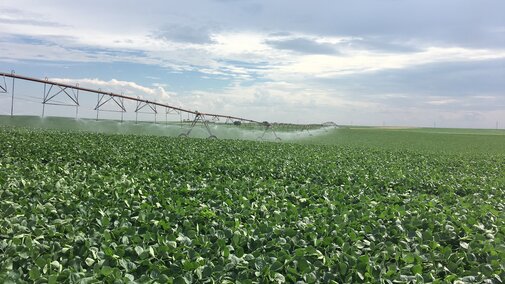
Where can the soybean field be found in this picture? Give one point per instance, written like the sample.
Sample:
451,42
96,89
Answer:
345,206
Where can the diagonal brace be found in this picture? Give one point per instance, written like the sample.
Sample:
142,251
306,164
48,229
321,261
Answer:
3,88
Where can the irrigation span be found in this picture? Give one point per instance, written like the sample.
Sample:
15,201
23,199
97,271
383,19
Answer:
52,90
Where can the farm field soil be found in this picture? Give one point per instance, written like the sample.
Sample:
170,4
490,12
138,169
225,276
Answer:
86,207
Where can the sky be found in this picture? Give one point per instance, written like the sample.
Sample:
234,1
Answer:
382,62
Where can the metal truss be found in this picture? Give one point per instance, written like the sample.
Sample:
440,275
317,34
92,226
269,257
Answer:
268,127
199,118
306,128
103,99
172,111
142,104
329,124
50,95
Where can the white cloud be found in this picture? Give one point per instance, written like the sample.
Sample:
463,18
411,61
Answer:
359,61
158,93
441,102
78,40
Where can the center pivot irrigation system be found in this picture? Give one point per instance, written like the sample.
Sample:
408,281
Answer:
53,89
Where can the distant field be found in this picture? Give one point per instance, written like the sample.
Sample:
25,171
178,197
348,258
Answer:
462,141
465,131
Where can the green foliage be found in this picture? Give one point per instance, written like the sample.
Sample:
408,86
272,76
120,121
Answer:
82,207
439,140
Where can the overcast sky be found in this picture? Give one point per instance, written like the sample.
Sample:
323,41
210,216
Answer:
363,62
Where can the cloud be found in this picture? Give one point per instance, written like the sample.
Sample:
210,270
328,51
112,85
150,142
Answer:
463,79
441,102
276,101
29,22
18,17
156,93
325,66
302,45
185,34
382,44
